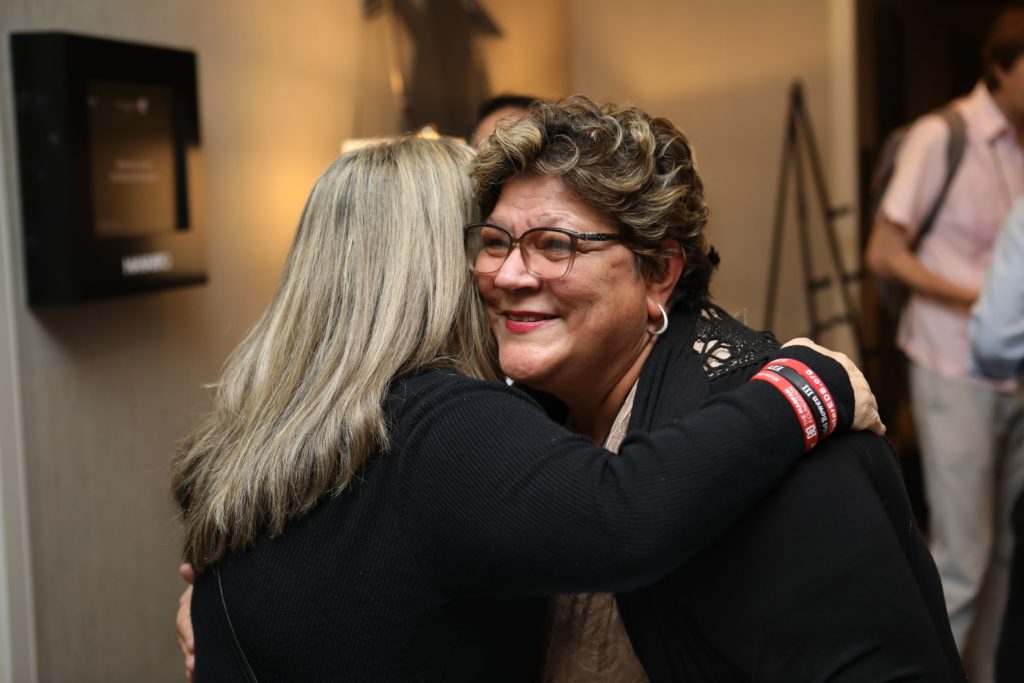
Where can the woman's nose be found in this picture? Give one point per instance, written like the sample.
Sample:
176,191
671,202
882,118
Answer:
513,273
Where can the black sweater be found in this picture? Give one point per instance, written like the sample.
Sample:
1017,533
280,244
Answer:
824,579
427,567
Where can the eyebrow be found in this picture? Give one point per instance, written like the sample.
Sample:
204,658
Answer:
546,220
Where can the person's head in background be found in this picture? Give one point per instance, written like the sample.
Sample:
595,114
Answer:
507,107
1002,66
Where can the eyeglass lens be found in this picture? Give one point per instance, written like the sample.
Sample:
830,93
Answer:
546,253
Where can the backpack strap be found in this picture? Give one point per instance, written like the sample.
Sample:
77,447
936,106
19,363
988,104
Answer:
954,154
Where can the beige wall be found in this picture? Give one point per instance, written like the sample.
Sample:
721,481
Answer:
17,641
533,57
107,388
101,392
720,69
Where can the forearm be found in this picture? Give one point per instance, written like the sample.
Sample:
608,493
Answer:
906,268
889,255
533,510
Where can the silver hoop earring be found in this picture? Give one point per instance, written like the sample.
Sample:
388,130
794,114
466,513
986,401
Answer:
664,321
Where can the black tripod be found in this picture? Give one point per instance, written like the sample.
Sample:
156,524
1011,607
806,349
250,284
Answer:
798,128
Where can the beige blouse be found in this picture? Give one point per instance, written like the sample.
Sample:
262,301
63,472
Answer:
586,641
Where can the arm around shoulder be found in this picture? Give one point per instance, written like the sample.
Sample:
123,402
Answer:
531,509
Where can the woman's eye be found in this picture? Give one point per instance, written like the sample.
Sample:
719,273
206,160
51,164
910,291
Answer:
493,240
554,245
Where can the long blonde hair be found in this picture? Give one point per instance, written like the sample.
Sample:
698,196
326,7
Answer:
375,286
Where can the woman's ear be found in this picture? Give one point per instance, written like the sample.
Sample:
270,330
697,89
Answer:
658,292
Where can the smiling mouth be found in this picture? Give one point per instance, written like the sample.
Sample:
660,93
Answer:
528,317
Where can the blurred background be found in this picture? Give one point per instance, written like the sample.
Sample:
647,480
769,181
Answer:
94,396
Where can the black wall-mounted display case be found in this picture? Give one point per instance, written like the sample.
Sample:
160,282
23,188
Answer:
109,166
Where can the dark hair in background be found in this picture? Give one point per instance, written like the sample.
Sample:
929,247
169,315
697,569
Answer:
1003,45
635,169
493,104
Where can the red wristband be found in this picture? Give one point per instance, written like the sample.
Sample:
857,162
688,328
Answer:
808,426
823,392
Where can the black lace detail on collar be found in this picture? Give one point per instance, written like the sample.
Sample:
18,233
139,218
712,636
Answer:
726,345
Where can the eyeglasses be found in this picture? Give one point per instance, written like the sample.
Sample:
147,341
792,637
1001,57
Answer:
548,253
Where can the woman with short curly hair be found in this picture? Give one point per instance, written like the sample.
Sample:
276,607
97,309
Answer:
844,588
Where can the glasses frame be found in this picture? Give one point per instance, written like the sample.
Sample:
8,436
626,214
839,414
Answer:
574,240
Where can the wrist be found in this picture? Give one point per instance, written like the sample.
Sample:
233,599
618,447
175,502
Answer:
809,428
832,375
813,390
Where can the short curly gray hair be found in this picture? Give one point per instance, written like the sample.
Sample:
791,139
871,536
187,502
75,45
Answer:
635,169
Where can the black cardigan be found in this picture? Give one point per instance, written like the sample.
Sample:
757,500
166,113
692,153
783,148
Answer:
826,578
426,568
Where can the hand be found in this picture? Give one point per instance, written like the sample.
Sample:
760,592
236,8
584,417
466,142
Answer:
865,411
186,639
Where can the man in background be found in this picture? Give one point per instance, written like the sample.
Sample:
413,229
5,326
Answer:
971,431
997,336
493,111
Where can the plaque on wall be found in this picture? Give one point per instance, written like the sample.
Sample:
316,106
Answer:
108,156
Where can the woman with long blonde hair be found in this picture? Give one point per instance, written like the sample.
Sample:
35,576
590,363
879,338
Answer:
365,503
